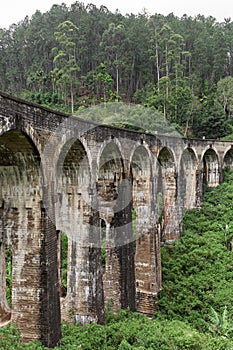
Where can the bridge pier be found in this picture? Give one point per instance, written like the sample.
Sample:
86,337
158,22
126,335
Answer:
35,300
31,235
119,279
5,311
167,196
148,271
147,236
80,221
77,216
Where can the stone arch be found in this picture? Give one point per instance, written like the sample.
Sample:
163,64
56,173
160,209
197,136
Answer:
210,168
77,216
32,236
188,179
26,130
73,177
141,173
6,126
147,255
228,158
167,195
110,172
114,191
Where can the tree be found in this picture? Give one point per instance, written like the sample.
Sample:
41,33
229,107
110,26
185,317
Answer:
113,44
99,84
65,72
155,23
224,95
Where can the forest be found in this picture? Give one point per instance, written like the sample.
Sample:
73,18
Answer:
71,58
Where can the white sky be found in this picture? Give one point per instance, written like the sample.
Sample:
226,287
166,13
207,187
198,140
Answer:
13,11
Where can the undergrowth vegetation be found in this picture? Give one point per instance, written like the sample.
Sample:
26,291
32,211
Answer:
195,305
198,269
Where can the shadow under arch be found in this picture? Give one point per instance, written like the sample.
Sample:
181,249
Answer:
187,180
210,168
147,255
228,159
167,188
110,173
114,190
77,216
27,229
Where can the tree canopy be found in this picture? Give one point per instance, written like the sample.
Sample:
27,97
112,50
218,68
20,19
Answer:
79,56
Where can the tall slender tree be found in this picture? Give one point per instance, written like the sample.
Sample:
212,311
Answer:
65,72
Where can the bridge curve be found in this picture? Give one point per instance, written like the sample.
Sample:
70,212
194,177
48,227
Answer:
62,173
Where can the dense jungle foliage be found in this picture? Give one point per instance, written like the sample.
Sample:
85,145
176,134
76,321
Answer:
74,57
195,306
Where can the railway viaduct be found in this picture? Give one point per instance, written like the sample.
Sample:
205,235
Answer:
96,183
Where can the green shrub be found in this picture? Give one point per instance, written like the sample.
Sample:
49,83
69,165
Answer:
197,269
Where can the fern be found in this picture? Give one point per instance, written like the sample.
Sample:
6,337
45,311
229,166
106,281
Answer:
220,323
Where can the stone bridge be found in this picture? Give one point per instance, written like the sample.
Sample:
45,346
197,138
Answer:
113,192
